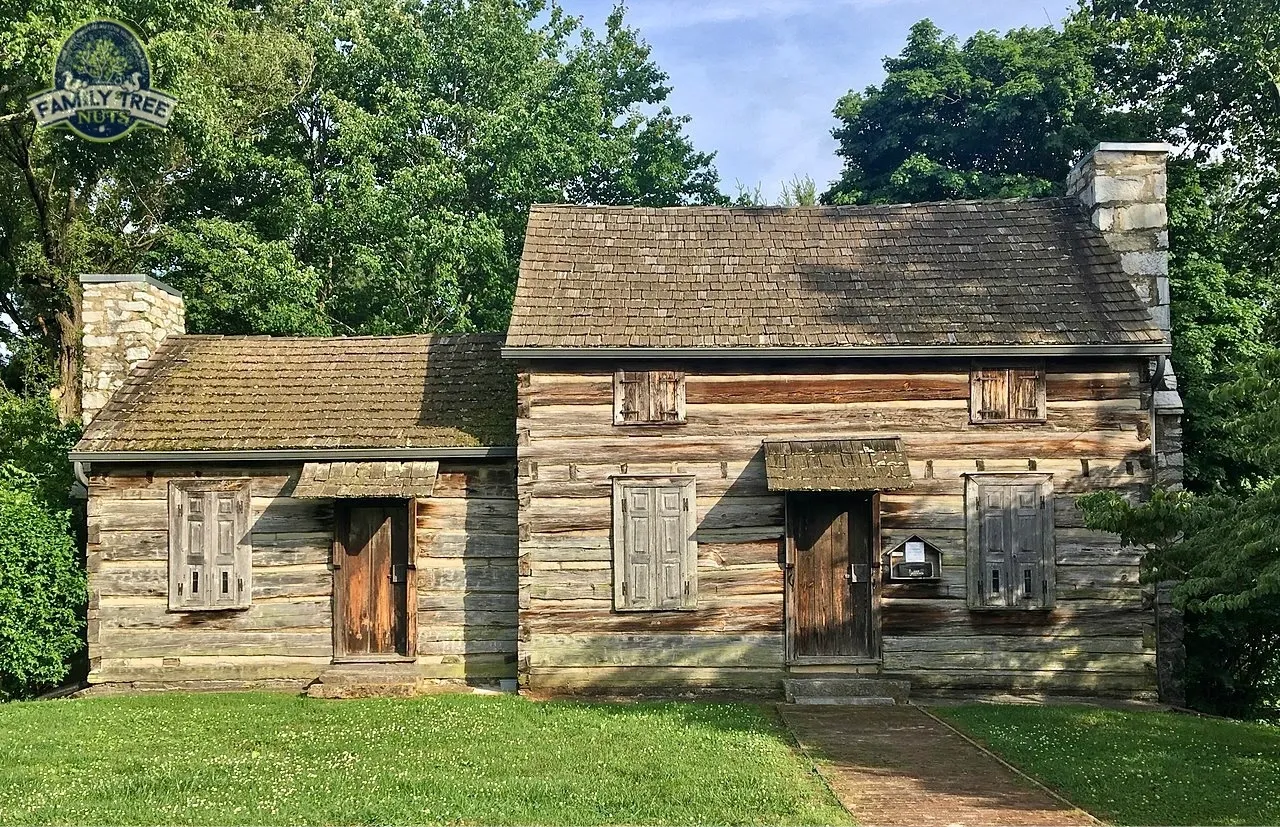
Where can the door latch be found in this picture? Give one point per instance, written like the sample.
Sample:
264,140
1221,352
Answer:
399,574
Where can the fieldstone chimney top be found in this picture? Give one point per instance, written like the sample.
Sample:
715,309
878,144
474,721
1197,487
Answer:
1124,187
124,318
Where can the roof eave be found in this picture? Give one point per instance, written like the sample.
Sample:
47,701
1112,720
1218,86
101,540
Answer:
873,352
295,454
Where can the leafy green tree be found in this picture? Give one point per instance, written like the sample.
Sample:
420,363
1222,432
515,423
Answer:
1204,76
358,166
999,116
71,206
1223,549
402,173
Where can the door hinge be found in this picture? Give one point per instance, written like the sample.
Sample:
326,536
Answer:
686,503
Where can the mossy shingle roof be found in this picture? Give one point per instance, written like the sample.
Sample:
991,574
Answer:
957,273
264,393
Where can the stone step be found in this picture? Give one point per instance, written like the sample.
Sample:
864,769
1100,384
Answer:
857,700
831,689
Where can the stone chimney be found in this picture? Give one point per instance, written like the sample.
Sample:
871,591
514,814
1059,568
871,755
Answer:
125,317
1123,186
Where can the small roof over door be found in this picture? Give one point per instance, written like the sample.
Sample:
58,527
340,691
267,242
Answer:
359,480
873,464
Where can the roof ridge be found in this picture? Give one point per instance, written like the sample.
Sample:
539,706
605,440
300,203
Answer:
818,208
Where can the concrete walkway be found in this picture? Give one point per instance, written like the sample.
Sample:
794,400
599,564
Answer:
894,765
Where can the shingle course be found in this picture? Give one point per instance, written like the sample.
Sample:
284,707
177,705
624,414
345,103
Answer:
954,273
261,393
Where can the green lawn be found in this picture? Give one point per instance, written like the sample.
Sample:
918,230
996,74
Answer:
257,758
1138,767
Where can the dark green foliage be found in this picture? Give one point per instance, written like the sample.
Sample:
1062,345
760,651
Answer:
42,590
34,446
358,166
1222,296
42,583
234,283
1223,548
1000,116
390,194
1233,660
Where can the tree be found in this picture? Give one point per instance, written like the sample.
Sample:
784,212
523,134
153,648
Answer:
73,207
800,191
999,117
100,60
399,181
1204,76
359,166
1223,550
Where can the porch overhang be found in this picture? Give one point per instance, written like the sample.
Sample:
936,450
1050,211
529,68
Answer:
861,464
351,480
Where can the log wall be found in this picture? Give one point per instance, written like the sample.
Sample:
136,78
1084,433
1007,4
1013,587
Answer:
1097,435
466,581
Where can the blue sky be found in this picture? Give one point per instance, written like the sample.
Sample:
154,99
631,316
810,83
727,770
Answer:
760,77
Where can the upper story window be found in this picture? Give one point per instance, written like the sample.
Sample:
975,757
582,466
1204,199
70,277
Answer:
648,397
1006,395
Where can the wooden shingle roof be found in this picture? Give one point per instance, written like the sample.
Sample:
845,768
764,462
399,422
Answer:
975,273
269,393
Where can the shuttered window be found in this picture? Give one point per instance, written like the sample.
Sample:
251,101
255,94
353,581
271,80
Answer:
655,555
1007,395
209,548
1009,539
648,397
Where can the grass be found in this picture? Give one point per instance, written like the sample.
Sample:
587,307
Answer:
258,758
1131,767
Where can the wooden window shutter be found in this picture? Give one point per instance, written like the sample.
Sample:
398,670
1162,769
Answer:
655,554
666,396
630,396
1026,395
989,395
1009,539
210,554
1007,395
642,397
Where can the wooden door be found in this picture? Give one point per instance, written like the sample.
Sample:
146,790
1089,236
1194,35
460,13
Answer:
830,577
372,580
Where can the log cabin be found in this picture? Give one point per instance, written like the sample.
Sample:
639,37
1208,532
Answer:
336,514
838,449
831,452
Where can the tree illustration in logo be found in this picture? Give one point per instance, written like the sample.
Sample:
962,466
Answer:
101,61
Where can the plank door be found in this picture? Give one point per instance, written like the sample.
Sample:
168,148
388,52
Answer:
371,580
831,589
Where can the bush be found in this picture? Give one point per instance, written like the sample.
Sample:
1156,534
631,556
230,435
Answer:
32,440
1233,660
42,591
